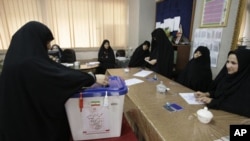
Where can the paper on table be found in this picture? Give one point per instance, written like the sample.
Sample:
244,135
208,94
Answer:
68,64
189,98
143,73
133,81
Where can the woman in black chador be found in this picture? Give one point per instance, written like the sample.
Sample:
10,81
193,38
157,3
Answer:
34,88
230,89
197,74
106,57
161,57
137,59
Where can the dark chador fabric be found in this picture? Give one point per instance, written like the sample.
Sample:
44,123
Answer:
162,50
33,89
137,59
197,74
230,92
106,57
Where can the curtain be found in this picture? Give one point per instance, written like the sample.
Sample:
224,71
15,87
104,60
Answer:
74,23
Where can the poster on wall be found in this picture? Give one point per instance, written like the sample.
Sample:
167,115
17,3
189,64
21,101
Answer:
215,13
210,38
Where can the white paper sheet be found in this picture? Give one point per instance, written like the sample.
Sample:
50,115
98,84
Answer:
143,73
189,98
133,81
177,21
158,25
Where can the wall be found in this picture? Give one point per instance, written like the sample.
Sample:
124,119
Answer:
227,32
141,21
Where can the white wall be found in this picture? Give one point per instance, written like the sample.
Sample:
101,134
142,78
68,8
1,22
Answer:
227,32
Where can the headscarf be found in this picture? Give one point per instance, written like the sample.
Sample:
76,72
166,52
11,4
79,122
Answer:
137,59
197,74
34,88
230,92
106,57
162,50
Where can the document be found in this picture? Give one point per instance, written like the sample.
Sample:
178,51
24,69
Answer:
133,81
143,73
190,99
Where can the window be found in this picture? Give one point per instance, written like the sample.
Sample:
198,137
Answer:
74,23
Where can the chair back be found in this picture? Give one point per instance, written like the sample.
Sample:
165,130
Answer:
120,53
68,56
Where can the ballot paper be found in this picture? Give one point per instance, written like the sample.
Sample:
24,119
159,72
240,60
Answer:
143,73
190,98
133,81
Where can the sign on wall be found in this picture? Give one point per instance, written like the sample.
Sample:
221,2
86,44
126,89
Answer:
215,13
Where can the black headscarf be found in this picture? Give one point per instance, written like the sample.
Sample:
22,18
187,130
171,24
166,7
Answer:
137,59
106,57
33,88
162,50
197,74
230,92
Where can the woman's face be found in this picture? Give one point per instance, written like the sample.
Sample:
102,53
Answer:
145,47
106,45
48,45
197,54
232,64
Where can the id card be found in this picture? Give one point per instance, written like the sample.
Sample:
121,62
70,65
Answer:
176,107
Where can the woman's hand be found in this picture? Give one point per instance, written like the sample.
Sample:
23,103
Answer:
151,62
101,79
200,94
146,58
205,100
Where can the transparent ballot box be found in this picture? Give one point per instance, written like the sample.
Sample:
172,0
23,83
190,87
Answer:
96,112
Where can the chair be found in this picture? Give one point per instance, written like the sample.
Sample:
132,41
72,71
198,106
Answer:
68,56
120,53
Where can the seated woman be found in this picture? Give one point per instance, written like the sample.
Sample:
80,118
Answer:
230,89
197,74
137,59
106,57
